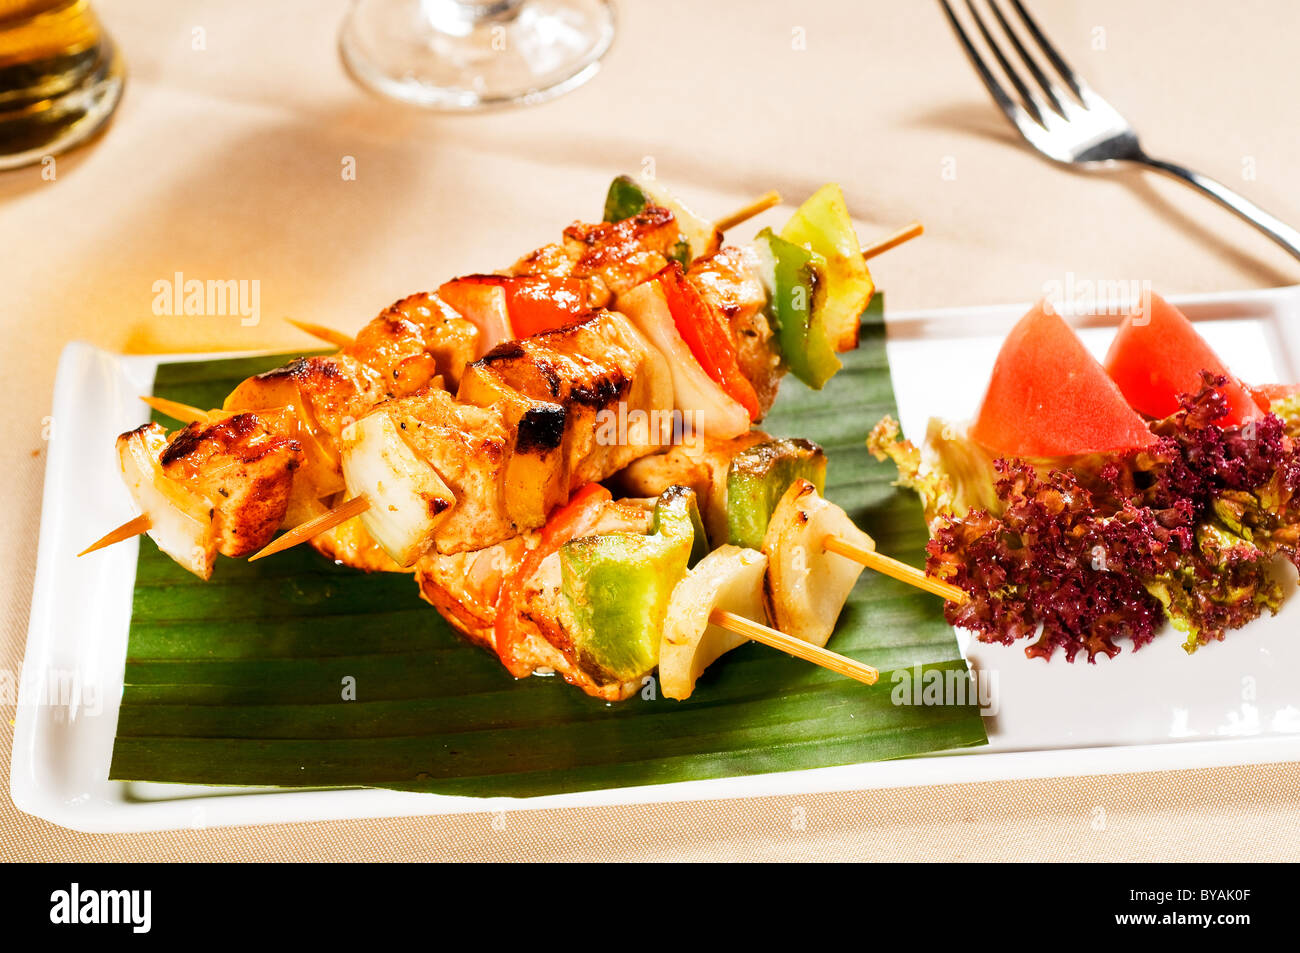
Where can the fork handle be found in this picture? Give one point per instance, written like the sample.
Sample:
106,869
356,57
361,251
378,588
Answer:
1273,227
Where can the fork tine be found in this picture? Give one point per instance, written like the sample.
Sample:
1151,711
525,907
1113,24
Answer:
1049,88
1015,112
1071,78
1027,97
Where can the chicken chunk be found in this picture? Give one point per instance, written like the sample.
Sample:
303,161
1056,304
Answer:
729,281
244,470
616,255
465,588
701,463
413,343
586,400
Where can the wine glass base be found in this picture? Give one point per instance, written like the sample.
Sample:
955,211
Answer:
52,126
456,56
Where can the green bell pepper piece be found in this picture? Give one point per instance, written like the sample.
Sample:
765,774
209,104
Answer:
626,198
616,587
794,280
822,225
757,479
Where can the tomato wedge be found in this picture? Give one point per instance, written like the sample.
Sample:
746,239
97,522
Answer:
1266,394
708,337
567,522
1158,355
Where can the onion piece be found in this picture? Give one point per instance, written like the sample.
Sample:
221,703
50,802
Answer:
710,410
180,520
730,579
807,586
407,497
481,300
699,233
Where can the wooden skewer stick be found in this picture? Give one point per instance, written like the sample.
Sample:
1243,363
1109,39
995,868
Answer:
796,647
314,527
905,234
328,335
132,527
178,411
761,204
898,570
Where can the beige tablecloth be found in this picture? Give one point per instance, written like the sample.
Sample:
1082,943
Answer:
225,161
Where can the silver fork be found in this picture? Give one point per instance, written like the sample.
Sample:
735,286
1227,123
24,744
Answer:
1071,124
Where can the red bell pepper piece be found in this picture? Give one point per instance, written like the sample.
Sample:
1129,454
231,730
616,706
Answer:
564,524
533,303
538,304
706,334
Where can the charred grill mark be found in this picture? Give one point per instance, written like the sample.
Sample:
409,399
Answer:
541,429
391,324
586,320
505,351
814,280
184,443
603,391
238,435
295,369
550,376
303,368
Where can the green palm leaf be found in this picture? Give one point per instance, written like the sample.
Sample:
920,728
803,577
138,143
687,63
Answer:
241,681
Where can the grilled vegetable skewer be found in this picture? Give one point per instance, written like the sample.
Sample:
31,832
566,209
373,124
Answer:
722,389
586,596
420,341
609,591
684,306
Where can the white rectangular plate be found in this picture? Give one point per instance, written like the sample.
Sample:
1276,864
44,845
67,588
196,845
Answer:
1231,703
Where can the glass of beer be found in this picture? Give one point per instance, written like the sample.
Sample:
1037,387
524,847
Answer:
60,78
474,54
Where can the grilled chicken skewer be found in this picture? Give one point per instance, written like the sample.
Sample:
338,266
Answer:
418,342
549,641
513,598
815,292
323,395
529,407
550,387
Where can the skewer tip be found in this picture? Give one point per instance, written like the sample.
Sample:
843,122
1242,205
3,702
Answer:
321,332
176,410
896,569
775,638
132,527
769,199
313,527
904,234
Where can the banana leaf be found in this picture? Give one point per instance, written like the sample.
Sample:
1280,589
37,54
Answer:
294,672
